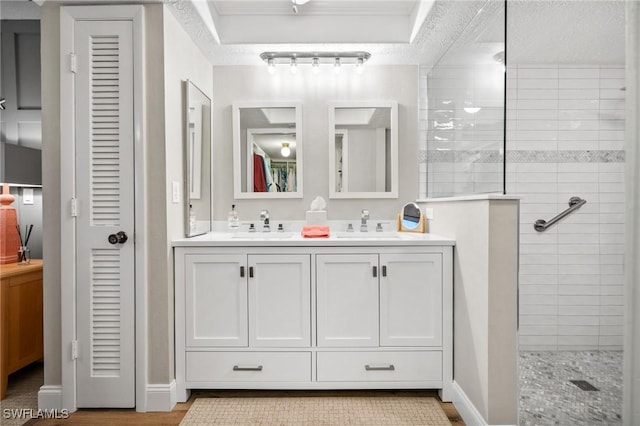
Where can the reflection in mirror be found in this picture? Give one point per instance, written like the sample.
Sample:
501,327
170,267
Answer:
267,150
411,219
197,152
363,150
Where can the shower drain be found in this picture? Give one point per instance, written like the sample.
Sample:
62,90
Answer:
584,385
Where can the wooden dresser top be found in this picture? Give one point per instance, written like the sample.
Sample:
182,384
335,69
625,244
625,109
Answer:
13,269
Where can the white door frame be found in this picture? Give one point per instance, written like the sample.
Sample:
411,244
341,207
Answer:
69,14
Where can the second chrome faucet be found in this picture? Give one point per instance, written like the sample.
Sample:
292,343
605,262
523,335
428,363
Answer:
364,216
264,217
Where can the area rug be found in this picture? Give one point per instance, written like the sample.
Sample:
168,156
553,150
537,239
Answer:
317,411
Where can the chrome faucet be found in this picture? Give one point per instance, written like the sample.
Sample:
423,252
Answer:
363,220
264,216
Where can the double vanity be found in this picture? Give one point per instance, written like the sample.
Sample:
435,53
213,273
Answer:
277,311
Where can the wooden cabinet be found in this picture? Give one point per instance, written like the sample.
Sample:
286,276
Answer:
21,318
314,318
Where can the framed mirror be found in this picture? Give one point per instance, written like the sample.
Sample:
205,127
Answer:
363,149
197,164
267,150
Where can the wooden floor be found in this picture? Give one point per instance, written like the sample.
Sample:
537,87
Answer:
101,417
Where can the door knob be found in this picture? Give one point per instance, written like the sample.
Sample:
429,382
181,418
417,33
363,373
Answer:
119,238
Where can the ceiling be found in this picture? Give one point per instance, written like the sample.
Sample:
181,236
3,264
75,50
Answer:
235,32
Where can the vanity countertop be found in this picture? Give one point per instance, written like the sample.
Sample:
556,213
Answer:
294,239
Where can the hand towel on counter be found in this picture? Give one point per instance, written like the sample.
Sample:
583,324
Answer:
315,231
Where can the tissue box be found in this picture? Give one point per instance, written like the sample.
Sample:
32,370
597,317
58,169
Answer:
316,217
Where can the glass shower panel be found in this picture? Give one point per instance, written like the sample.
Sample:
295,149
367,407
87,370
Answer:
466,111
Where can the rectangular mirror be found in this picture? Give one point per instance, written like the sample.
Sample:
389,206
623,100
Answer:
197,164
363,149
267,150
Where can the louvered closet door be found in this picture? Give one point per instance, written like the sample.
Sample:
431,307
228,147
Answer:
104,188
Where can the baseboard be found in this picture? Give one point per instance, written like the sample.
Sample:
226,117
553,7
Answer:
50,397
161,397
465,407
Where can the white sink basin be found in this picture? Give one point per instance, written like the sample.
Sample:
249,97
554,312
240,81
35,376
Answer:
368,235
275,235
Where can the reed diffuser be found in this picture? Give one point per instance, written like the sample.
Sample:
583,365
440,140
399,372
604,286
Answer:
24,252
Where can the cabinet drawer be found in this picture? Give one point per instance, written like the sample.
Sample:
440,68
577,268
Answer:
248,366
379,366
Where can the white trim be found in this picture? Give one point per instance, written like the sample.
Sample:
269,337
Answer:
50,397
161,397
465,407
68,16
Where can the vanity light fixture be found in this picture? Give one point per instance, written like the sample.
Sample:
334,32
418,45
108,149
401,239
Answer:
285,151
337,59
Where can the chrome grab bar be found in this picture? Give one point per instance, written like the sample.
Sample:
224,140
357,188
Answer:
575,203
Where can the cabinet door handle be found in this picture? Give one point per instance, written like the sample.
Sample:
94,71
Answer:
389,367
238,368
384,270
250,271
375,271
242,271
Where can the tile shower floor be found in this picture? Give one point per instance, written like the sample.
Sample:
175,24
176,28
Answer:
548,397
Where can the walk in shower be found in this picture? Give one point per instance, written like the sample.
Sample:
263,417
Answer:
553,129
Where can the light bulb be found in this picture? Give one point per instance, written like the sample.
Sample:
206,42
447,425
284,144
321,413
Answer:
336,66
315,66
360,65
271,66
294,66
285,151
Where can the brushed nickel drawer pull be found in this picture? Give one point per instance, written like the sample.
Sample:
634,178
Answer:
238,368
389,367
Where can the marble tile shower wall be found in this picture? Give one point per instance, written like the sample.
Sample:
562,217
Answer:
565,137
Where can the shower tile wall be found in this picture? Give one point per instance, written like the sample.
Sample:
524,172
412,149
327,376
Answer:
565,137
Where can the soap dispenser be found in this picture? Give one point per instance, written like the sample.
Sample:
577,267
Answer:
233,221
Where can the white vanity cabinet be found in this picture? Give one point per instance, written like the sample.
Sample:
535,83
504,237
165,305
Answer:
307,314
347,304
370,300
239,300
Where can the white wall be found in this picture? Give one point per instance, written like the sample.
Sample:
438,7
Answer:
183,60
485,302
247,83
565,137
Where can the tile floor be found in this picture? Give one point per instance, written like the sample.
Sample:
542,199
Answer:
547,397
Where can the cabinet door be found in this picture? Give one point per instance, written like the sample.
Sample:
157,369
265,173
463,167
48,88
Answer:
347,300
280,300
411,299
216,300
